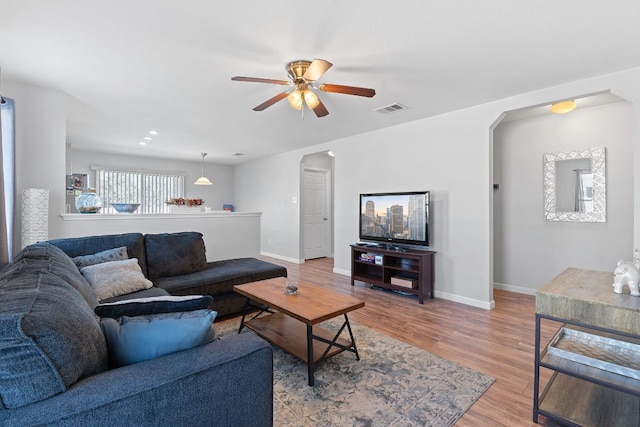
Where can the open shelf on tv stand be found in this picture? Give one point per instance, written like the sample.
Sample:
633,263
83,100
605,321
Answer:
385,246
410,270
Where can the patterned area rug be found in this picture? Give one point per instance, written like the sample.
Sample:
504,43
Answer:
393,384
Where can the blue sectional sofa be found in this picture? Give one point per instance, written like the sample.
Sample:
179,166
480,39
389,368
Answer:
177,263
56,365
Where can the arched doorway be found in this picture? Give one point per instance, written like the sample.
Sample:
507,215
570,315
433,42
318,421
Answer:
316,205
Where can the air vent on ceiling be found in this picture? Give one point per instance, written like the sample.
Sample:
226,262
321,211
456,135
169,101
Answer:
238,154
391,108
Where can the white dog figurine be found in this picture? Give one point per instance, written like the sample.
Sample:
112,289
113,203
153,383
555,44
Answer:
626,273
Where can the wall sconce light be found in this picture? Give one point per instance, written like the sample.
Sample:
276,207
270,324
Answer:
563,107
203,180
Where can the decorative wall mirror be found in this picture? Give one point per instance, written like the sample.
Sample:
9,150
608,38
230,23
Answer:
574,186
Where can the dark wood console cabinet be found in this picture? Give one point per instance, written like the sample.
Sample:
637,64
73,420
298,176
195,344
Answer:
381,266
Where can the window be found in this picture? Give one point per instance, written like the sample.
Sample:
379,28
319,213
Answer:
7,170
584,191
150,189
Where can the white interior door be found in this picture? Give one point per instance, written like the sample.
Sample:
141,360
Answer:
317,221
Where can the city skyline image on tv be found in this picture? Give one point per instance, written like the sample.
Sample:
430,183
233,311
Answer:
391,216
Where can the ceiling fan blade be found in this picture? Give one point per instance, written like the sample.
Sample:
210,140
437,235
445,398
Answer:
349,90
269,102
316,69
321,110
259,80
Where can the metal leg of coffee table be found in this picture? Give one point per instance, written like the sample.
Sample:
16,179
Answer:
247,304
310,364
244,314
353,341
333,343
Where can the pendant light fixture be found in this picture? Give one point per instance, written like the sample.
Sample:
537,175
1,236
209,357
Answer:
203,180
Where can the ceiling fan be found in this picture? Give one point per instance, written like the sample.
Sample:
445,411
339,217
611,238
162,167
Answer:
303,75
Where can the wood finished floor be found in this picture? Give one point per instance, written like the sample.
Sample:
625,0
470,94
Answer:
498,342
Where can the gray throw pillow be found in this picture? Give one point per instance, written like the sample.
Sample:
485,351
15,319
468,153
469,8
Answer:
117,254
110,279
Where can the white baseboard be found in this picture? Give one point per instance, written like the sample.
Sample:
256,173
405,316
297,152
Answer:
342,272
464,300
283,258
512,288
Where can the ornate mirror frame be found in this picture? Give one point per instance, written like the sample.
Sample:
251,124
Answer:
598,169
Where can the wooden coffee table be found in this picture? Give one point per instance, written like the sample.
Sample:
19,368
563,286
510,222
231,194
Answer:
292,318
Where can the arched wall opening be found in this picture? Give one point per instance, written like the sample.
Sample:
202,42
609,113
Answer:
527,250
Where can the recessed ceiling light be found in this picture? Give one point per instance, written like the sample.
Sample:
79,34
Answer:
153,132
143,143
148,138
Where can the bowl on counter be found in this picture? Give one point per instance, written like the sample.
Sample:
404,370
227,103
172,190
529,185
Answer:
125,207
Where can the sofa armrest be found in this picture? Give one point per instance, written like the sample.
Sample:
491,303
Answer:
224,383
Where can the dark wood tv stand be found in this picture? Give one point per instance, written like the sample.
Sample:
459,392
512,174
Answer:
413,268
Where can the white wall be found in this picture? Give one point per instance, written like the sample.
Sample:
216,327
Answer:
433,154
272,186
450,154
40,146
529,251
220,230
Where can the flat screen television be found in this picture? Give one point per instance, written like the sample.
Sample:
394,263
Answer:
395,219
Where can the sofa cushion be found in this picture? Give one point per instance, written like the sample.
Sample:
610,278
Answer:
136,339
117,254
153,305
110,279
174,254
76,246
49,336
221,276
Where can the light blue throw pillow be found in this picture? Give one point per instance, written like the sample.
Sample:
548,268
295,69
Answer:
136,339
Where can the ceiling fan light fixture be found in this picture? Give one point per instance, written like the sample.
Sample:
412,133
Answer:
203,180
311,99
302,74
563,107
295,99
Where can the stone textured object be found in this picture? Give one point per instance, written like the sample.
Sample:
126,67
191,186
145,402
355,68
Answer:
35,215
585,296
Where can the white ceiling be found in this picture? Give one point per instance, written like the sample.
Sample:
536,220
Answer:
129,66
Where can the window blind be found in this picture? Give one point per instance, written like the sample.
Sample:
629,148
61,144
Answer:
150,189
